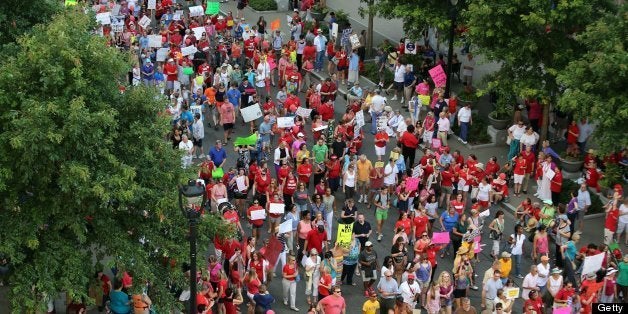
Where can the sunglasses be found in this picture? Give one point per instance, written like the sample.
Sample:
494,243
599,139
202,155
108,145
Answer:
337,291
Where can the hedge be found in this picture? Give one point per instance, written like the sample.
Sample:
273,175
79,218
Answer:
263,5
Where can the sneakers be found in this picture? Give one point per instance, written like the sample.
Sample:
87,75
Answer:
366,199
464,142
519,276
294,309
394,98
285,302
379,237
401,101
360,199
474,287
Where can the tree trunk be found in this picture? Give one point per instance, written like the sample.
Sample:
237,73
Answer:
369,29
544,122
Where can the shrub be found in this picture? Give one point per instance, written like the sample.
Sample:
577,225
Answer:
477,132
263,5
370,72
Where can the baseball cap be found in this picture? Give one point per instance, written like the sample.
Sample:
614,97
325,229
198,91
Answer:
368,243
300,135
411,276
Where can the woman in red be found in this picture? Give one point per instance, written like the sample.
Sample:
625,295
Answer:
288,187
343,64
260,266
458,204
252,283
573,132
534,303
275,219
521,166
304,172
409,143
330,52
404,222
261,184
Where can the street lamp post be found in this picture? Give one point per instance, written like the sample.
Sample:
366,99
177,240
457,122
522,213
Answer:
191,199
452,29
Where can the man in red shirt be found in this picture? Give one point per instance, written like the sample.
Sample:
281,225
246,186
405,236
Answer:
326,109
316,239
492,167
612,219
328,90
292,103
521,166
556,185
249,48
255,223
409,143
171,72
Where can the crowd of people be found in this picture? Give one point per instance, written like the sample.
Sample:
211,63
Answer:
213,69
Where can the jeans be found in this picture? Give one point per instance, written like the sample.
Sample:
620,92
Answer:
517,259
329,223
464,130
374,117
301,208
320,57
291,288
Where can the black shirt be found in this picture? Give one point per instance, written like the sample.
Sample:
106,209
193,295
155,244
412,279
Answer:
349,211
338,148
361,229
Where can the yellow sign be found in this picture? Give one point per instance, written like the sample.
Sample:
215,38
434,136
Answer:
425,99
344,234
70,2
511,293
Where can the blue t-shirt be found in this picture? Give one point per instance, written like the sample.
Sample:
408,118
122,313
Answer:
188,116
264,131
449,221
264,300
119,302
234,96
217,156
571,251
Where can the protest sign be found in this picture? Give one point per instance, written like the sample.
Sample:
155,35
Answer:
258,214
103,18
197,109
355,41
592,264
285,122
412,184
188,71
251,113
359,120
511,293
196,11
250,140
144,22
189,50
285,226
275,25
411,47
177,15
417,171
562,310
438,76
344,234
154,41
320,128
276,208
152,4
162,54
303,112
425,99
334,29
117,24
213,8
440,238
198,31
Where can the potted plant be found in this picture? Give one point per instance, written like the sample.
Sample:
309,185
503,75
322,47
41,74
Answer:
500,117
612,175
571,161
319,12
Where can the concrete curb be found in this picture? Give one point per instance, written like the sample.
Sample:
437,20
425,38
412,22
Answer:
512,210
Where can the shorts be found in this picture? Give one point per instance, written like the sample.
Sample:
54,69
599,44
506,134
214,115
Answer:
169,84
447,190
621,227
341,68
256,226
381,214
330,57
227,126
380,151
198,143
362,184
372,275
608,236
484,204
519,178
460,293
275,220
398,86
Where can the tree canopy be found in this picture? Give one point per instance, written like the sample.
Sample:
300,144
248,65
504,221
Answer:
70,146
594,84
18,17
417,14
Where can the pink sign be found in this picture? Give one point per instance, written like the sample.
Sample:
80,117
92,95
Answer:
562,310
412,184
438,76
440,238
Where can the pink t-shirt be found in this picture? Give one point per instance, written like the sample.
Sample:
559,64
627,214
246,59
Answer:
332,304
226,113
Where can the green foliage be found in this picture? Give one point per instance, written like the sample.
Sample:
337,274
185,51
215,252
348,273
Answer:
477,132
532,40
263,5
418,14
612,175
371,72
70,143
503,108
18,17
569,186
595,82
342,18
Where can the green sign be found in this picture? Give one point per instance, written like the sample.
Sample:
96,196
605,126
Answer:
213,8
188,71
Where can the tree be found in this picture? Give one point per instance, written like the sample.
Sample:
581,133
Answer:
17,17
417,14
533,40
85,172
370,11
594,84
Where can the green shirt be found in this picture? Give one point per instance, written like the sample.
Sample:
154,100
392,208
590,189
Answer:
320,153
548,211
622,271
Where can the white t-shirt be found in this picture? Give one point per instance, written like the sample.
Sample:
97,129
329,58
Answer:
517,131
623,209
443,125
377,103
529,139
186,146
543,270
529,281
483,190
392,171
464,114
400,72
517,248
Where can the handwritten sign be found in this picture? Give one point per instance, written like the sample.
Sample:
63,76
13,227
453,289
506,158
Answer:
440,238
438,76
412,184
189,50
196,11
511,293
425,99
103,18
275,25
417,171
303,112
152,4
258,214
320,128
144,22
285,122
177,15
359,120
276,208
117,24
355,41
213,8
344,234
334,29
251,113
198,31
154,41
162,54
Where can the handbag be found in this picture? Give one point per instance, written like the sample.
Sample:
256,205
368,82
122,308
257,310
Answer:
494,235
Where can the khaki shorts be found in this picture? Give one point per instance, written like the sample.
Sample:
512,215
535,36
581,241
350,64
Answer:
362,184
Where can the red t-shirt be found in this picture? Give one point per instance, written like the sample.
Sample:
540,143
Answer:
332,305
334,169
530,161
289,270
309,52
406,224
381,138
458,206
325,281
304,171
409,140
105,284
612,217
231,216
262,183
290,186
253,286
315,240
557,182
420,225
170,69
521,166
447,177
257,222
492,167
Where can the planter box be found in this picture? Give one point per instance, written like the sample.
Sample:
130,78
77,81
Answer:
571,166
499,124
498,136
319,16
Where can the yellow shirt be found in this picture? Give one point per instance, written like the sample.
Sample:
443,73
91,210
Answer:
370,307
505,265
364,168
